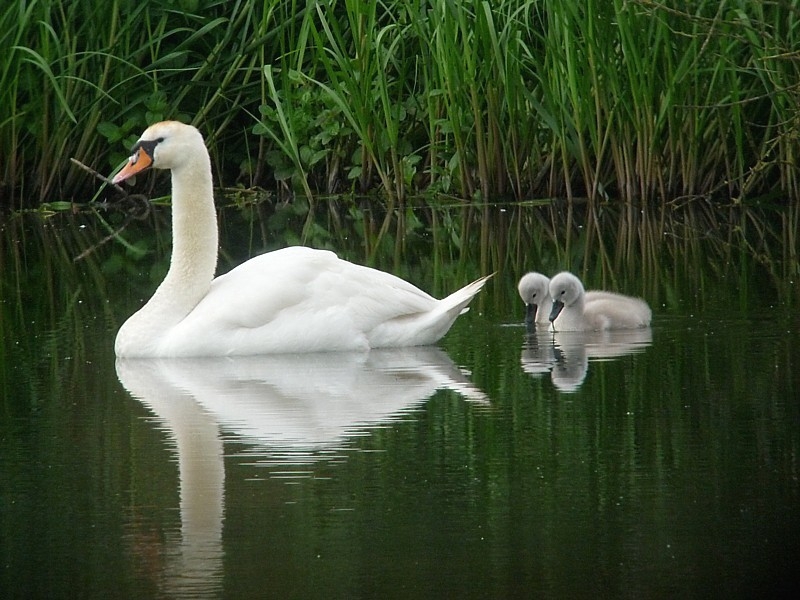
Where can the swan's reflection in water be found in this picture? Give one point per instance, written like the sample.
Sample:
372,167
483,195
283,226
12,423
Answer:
288,406
566,354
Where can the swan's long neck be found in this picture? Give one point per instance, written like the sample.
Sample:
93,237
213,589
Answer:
194,238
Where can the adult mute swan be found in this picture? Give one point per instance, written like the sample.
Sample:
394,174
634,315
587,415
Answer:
292,300
574,311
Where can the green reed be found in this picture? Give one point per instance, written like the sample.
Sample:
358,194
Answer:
80,80
634,99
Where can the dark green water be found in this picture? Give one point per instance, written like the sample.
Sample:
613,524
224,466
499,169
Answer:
493,466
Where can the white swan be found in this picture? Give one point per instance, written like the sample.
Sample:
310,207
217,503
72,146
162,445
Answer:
573,311
291,300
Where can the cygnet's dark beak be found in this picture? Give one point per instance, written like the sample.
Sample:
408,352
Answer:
557,306
530,315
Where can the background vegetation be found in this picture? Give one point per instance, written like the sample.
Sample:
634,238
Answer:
633,99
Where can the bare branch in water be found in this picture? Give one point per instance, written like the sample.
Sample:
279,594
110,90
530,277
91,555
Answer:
102,178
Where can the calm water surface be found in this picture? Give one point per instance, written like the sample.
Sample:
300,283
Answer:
653,464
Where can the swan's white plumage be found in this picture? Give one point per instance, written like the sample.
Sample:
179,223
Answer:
291,300
576,310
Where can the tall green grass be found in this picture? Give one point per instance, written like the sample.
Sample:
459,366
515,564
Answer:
634,99
82,79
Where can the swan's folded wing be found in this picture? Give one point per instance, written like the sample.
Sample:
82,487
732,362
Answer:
618,312
300,298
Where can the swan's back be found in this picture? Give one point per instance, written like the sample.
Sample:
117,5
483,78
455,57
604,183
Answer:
615,311
304,300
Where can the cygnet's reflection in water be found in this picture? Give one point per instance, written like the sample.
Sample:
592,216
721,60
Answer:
566,354
537,356
289,407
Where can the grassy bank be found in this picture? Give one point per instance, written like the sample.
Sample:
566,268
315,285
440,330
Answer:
633,99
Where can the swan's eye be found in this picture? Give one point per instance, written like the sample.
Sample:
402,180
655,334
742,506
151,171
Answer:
148,147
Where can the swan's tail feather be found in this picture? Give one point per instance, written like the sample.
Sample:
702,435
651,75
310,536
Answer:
458,300
428,327
448,310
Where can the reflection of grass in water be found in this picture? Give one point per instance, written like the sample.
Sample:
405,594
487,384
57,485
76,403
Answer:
663,253
649,252
675,256
49,305
54,311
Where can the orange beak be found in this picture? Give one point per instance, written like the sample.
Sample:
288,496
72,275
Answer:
139,161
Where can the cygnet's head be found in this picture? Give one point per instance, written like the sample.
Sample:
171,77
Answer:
533,289
565,290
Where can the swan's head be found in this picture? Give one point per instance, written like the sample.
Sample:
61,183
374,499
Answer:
164,145
533,289
566,290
